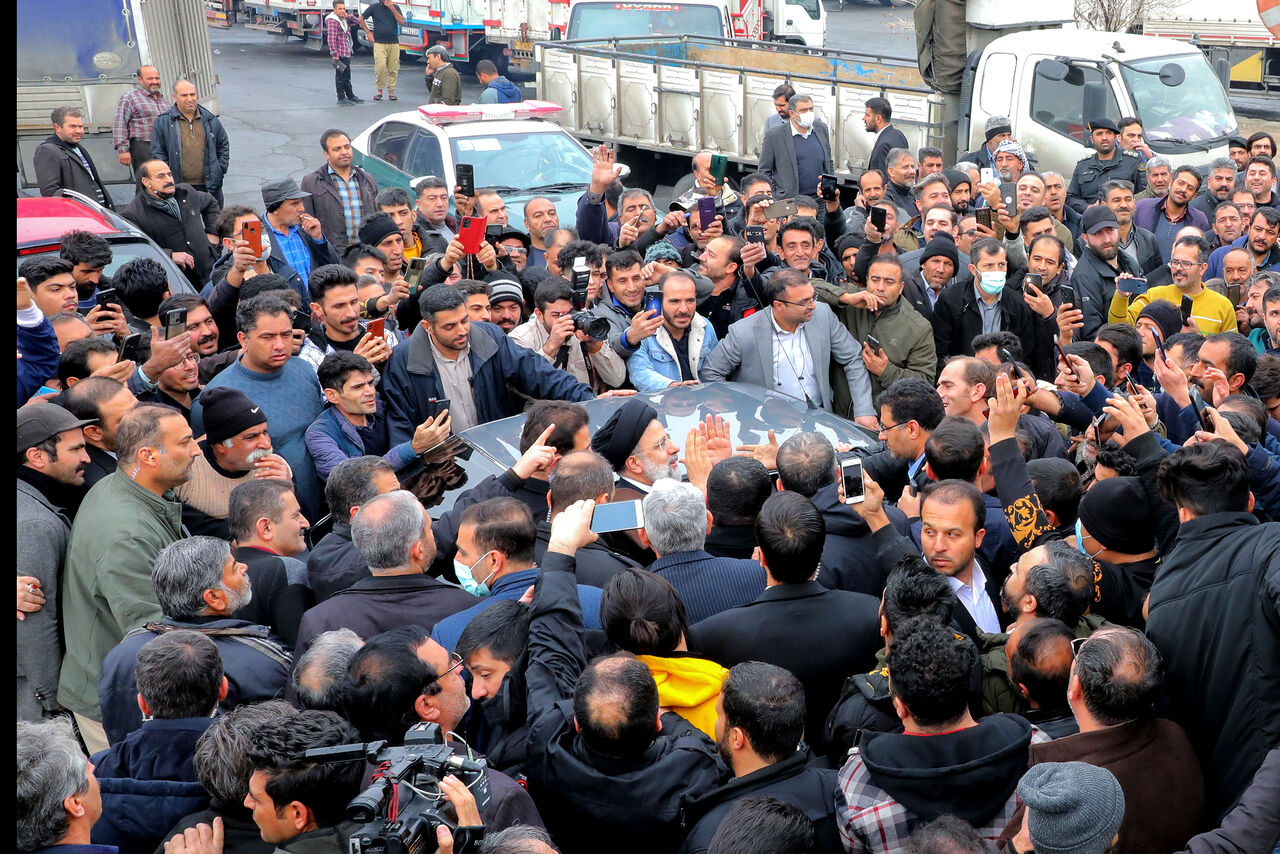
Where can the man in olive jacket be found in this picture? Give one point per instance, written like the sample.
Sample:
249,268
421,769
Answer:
443,79
123,523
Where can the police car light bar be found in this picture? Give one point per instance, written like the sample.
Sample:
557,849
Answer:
440,114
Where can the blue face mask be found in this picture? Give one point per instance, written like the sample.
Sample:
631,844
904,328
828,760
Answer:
991,282
1080,542
467,578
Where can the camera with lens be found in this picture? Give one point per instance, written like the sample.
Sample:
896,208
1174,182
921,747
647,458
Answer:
595,328
400,811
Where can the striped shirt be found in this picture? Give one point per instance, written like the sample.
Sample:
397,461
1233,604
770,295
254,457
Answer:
352,207
296,253
136,112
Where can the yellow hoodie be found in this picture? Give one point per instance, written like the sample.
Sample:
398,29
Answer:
689,687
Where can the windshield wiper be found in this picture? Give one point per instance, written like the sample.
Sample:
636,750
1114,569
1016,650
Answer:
502,189
558,187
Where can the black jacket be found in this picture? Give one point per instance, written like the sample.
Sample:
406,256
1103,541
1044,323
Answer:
166,145
376,604
101,464
849,554
957,321
1094,281
199,213
765,630
736,541
635,802
865,706
794,780
278,600
58,168
1214,613
888,139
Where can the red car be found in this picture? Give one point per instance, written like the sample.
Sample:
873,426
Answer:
43,220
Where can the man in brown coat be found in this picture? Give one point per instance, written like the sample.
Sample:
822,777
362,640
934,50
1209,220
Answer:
1113,683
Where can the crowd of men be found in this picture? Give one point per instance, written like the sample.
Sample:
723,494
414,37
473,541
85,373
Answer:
1051,622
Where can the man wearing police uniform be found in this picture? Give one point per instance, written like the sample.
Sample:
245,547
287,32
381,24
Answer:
1109,163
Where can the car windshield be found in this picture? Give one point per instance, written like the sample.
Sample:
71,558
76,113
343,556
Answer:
609,20
520,161
811,7
124,251
1195,111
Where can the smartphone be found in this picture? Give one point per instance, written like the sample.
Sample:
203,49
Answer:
983,216
874,343
1155,333
1068,294
436,405
706,211
1206,420
986,176
130,346
492,234
855,491
780,210
1006,358
107,298
472,232
1132,285
827,185
879,218
1186,309
377,328
754,234
1033,279
719,166
175,323
1233,294
302,320
617,516
252,234
1133,387
653,300
1009,195
464,175
413,274
1062,354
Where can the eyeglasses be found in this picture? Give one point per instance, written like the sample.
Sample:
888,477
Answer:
517,250
455,661
666,442
1178,262
1076,643
808,303
885,430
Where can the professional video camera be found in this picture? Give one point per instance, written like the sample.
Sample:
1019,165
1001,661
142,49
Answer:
596,328
400,811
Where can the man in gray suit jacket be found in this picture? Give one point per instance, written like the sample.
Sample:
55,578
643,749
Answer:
797,153
789,346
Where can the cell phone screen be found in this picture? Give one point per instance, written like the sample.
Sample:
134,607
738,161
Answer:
879,218
617,516
851,477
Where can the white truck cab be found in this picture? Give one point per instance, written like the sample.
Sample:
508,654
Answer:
1049,84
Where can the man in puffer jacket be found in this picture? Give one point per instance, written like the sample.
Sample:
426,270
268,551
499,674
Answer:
148,780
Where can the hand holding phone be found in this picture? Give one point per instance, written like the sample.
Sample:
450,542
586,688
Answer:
983,217
617,516
719,166
879,217
471,233
175,323
874,343
1070,368
755,234
377,328
414,273
465,177
851,479
1131,284
827,187
1068,294
107,299
706,211
1186,308
252,234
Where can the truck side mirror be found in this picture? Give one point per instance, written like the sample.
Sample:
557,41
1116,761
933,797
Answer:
1052,69
1172,74
1094,101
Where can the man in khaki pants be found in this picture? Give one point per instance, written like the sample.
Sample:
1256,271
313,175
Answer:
386,19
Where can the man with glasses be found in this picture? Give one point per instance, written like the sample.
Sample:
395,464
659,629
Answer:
790,347
910,409
402,676
797,153
1210,310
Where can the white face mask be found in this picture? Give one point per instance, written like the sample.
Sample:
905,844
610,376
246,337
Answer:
806,119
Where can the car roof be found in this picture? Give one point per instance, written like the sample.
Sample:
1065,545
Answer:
751,411
469,127
46,219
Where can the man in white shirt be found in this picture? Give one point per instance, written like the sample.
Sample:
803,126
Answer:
952,517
